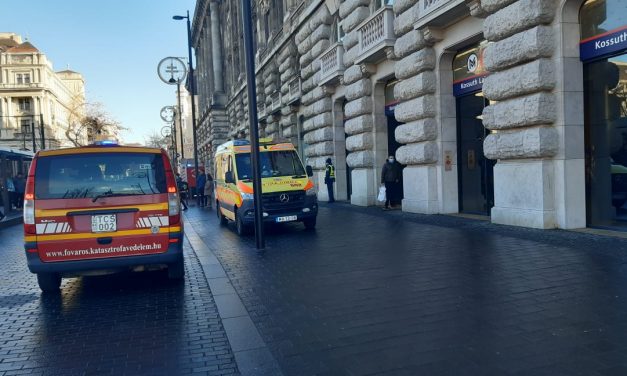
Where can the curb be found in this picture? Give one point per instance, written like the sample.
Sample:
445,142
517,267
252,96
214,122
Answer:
250,351
6,223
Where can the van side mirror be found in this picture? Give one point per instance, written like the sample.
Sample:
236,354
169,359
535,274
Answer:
228,177
309,170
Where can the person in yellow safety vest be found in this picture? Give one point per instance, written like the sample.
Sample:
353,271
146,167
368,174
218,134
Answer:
329,179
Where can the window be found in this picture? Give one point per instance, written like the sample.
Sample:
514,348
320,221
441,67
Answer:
378,4
22,78
337,32
27,78
24,104
19,79
273,164
25,125
90,175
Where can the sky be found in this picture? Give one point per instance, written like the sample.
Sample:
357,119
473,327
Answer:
115,44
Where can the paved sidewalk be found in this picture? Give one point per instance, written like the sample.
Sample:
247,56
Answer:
372,292
135,323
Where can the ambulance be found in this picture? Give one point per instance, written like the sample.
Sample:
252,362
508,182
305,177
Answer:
288,192
101,209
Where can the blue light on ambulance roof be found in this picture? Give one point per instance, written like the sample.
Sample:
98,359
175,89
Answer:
106,143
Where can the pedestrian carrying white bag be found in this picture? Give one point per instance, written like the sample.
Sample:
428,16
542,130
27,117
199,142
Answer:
381,196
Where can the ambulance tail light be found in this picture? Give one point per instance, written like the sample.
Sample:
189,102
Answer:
174,203
29,201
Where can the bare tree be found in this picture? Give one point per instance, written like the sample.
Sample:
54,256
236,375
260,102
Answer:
86,121
155,140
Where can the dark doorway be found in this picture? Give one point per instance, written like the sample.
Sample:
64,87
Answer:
476,172
605,125
349,183
393,145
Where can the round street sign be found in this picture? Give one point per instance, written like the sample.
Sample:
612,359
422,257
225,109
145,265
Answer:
166,131
167,114
172,70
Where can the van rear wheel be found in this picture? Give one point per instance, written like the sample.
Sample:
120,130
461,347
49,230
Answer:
49,282
176,271
221,217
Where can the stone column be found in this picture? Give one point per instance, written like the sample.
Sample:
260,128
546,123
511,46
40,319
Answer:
417,109
521,82
216,47
311,40
358,112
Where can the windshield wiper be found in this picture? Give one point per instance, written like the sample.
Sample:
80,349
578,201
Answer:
299,176
111,194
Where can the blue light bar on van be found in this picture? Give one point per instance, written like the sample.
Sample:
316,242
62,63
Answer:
106,143
240,142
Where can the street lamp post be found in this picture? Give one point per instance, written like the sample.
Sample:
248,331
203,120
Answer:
192,87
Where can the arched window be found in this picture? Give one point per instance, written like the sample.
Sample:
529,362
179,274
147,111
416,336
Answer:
602,16
378,4
337,33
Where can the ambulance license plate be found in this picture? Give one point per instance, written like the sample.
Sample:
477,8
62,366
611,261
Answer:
104,223
288,218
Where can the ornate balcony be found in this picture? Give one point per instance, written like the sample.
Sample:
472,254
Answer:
276,101
295,90
376,36
332,65
261,110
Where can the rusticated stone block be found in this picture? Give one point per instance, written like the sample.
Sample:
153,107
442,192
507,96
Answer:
303,33
492,6
306,58
539,108
289,131
307,71
418,153
416,109
358,107
352,74
319,48
356,17
287,63
519,16
364,158
363,141
538,75
408,43
350,39
400,6
317,163
534,142
350,56
322,32
319,107
348,6
359,89
421,84
359,124
322,16
404,22
308,84
319,135
519,48
415,63
319,149
417,131
305,45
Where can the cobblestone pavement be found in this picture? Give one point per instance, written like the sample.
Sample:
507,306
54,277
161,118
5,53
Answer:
136,324
372,292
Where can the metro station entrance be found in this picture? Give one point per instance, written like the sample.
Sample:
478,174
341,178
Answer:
475,171
603,51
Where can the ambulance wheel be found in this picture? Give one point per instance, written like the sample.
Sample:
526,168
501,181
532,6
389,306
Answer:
310,224
242,229
176,271
221,217
49,282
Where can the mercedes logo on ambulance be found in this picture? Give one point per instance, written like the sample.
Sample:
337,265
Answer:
284,197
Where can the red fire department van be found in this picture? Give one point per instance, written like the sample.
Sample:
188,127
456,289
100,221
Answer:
100,209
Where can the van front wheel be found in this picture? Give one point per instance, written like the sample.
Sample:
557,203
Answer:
310,224
49,282
241,228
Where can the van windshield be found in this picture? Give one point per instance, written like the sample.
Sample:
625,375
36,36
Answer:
273,164
99,174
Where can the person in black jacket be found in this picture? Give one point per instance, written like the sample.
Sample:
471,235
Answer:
329,179
391,176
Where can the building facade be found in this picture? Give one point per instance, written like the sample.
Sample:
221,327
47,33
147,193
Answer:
35,101
513,109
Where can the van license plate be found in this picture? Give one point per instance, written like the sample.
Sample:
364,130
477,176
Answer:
104,223
288,218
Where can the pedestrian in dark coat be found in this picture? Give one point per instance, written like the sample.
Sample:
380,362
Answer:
391,176
329,179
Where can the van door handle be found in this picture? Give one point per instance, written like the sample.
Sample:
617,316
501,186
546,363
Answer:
106,240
